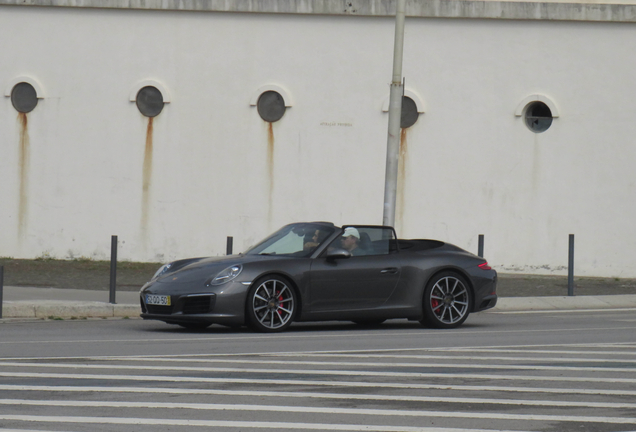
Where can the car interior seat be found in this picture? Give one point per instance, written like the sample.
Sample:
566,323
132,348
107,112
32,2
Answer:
365,243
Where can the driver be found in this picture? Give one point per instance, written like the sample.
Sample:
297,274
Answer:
313,241
351,240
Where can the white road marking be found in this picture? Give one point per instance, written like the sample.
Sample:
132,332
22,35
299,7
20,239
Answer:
325,426
370,356
313,395
356,384
329,372
357,334
495,348
24,430
534,351
562,311
234,424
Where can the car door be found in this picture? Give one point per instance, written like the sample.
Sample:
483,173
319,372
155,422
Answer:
364,281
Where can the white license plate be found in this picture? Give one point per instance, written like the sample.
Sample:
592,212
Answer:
160,300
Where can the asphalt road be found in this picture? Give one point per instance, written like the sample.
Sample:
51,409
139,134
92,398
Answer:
557,371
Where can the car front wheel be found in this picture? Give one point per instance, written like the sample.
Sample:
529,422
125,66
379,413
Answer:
447,301
271,304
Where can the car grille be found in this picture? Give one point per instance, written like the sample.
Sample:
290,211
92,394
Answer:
159,310
197,304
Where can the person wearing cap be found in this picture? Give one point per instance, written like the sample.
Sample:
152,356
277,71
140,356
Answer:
351,240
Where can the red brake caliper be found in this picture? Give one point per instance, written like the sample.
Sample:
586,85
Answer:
434,304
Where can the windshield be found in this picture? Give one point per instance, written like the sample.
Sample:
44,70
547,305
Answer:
300,240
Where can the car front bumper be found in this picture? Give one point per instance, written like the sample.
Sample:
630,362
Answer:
223,304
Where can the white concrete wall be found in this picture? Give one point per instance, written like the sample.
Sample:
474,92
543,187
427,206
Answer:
472,167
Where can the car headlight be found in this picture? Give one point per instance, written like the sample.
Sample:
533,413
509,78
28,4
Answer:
226,275
163,269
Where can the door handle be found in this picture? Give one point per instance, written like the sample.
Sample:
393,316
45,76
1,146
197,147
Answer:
390,270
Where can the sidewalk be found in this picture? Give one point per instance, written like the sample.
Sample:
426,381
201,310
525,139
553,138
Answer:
50,303
517,293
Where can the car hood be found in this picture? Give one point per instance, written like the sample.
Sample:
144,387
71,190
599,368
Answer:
203,269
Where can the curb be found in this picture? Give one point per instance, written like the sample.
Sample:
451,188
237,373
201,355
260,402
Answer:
60,309
519,304
95,309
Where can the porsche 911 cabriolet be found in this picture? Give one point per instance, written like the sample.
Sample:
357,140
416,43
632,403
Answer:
319,272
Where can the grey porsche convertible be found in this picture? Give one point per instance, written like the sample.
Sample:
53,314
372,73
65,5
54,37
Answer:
317,271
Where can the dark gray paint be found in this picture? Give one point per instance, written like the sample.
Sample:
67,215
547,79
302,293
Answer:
343,289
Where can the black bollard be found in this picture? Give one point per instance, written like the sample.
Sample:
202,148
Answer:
113,269
571,266
228,245
480,247
1,287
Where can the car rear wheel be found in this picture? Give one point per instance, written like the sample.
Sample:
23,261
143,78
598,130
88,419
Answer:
271,304
447,301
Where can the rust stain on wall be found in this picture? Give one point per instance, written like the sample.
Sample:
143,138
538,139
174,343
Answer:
270,171
401,183
24,173
147,175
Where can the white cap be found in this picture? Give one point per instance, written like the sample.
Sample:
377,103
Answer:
351,232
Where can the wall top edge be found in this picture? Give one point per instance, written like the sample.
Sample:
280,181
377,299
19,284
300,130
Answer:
564,10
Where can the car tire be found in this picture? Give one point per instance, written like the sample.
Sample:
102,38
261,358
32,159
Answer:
447,301
271,304
194,326
369,322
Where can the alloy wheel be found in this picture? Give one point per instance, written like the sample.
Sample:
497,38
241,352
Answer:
449,300
272,305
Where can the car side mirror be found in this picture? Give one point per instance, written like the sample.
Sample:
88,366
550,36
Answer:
338,253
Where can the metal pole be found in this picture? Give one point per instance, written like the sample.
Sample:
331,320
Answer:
395,112
480,247
1,287
228,246
571,267
113,269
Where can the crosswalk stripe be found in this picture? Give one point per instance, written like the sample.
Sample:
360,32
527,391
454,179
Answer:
354,333
365,384
235,424
443,414
350,373
329,372
316,395
535,351
533,348
479,408
384,356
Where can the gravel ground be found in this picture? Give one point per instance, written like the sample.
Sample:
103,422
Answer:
95,275
75,274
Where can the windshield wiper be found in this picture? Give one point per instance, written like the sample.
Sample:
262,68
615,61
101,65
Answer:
267,253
